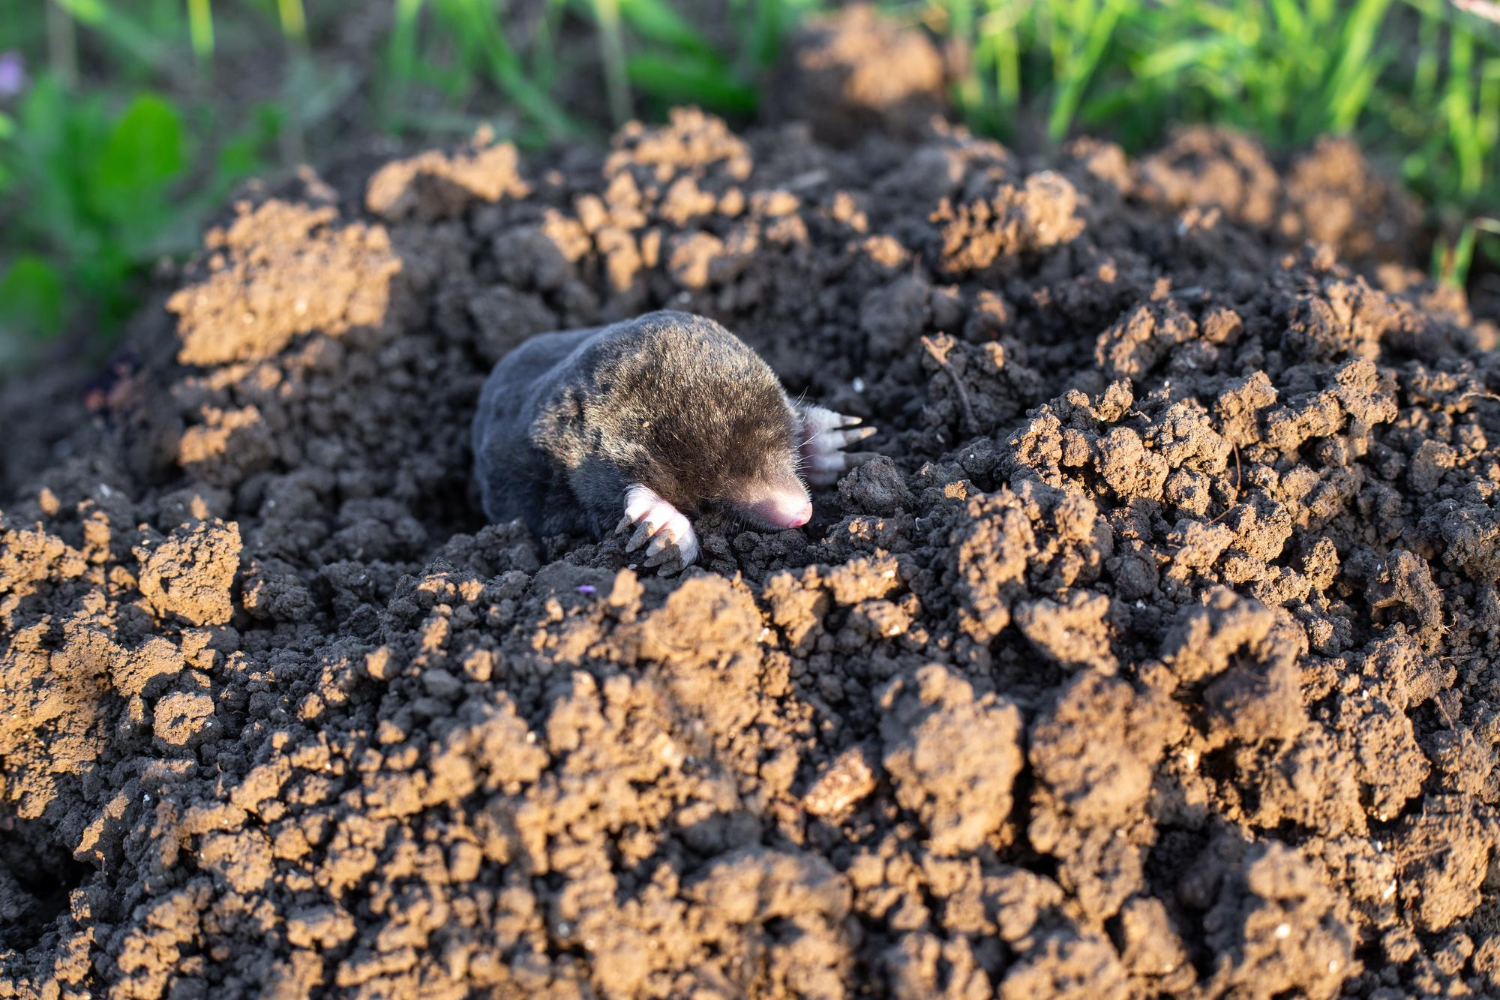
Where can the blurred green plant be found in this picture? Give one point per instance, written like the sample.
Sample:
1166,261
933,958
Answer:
98,198
1417,82
95,187
674,62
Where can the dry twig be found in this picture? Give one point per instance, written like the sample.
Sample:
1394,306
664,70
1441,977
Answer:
939,355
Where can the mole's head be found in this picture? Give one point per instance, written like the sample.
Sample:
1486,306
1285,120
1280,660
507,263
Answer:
708,425
759,481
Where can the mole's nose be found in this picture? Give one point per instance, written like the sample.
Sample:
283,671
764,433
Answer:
781,511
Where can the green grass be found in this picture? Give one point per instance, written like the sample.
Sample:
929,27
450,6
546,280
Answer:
134,123
1285,70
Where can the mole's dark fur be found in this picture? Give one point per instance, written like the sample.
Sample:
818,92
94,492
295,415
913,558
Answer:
568,421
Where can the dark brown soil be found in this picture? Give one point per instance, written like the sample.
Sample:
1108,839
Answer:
1158,658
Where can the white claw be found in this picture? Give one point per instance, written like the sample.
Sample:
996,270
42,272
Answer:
642,534
673,544
818,419
824,458
842,439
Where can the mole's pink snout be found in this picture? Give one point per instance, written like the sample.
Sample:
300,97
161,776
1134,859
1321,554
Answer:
783,510
797,518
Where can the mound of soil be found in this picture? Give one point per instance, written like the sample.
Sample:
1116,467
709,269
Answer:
1157,658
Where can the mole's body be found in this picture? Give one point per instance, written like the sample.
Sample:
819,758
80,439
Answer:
645,422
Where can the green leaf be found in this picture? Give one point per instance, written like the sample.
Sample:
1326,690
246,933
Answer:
31,296
45,115
56,135
144,151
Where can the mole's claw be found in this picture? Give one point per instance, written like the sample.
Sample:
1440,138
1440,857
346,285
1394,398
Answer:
840,439
823,455
817,419
670,534
642,534
670,556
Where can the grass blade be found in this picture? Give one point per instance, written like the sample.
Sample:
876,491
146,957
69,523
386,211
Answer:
201,31
968,89
136,41
612,50
403,44
1451,262
704,81
1489,108
1344,97
1424,80
62,44
769,24
1354,95
476,29
293,20
1065,107
657,22
1458,104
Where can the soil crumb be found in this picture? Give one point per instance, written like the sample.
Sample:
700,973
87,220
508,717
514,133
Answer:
1156,657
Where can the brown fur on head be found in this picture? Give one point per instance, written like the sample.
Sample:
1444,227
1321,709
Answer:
686,408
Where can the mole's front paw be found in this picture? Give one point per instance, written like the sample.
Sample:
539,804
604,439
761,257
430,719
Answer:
673,545
823,441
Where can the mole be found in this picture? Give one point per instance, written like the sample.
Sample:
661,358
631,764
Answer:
644,423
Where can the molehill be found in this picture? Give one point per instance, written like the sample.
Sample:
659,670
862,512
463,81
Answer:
1158,656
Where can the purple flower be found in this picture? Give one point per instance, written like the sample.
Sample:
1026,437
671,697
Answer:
12,73
587,588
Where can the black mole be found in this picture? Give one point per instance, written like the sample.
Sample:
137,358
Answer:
644,422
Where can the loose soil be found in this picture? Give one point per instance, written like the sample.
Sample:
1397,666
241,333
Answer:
1159,656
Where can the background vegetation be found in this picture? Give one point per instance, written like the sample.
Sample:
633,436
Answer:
122,124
